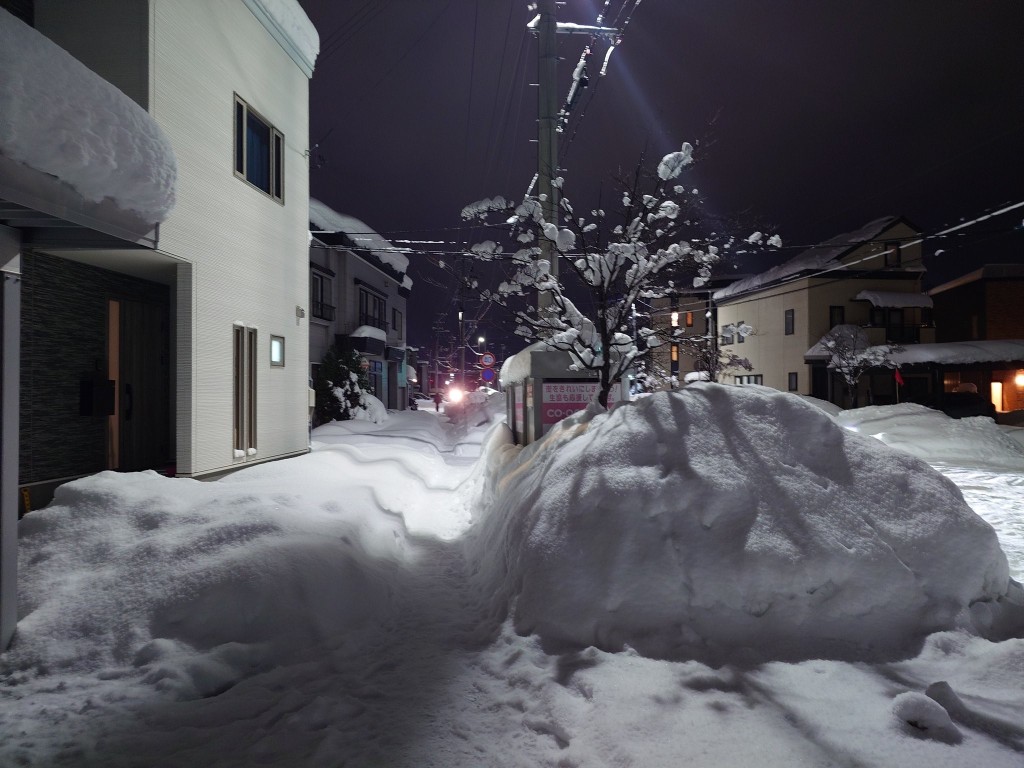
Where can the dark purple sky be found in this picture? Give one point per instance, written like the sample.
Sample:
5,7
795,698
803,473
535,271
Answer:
811,118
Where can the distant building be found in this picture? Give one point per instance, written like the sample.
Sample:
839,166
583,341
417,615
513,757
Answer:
985,305
358,292
870,278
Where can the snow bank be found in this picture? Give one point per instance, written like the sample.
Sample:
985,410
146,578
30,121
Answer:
59,117
198,585
734,523
935,437
373,411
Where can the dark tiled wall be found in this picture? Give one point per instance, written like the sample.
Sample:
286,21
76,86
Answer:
63,341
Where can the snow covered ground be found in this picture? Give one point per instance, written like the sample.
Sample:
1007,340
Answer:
358,606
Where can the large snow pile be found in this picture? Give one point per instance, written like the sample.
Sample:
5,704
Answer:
59,117
724,523
935,437
197,585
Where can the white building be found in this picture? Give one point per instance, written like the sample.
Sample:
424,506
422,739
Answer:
163,310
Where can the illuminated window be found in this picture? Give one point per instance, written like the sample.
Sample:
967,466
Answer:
277,351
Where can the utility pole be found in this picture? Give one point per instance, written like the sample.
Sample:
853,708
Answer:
547,127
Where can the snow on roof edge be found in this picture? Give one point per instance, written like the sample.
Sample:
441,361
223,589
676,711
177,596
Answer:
816,257
289,25
327,219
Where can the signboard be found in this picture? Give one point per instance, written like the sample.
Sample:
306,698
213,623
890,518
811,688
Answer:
561,399
487,374
487,359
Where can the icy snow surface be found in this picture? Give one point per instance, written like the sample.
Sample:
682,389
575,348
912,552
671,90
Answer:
59,117
336,610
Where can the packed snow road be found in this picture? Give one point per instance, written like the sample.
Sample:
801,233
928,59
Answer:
336,610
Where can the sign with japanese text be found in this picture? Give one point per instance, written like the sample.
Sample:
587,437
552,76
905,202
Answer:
561,399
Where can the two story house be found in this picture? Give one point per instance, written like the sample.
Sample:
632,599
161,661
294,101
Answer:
869,278
153,239
359,286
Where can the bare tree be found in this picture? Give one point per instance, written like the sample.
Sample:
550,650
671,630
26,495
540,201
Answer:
605,268
851,355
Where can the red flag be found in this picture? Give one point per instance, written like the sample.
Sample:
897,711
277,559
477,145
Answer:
899,378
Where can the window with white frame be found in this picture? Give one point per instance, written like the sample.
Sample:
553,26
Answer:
755,378
259,151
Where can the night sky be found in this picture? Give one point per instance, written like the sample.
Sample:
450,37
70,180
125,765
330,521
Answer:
810,118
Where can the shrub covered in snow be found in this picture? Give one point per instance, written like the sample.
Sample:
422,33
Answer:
342,387
726,523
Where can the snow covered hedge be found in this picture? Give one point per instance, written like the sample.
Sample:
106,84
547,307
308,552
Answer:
727,523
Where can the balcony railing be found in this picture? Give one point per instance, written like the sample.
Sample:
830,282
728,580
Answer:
323,311
903,334
373,320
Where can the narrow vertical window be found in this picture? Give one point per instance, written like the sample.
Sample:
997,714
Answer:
238,373
793,382
243,422
836,315
239,137
278,165
250,411
790,322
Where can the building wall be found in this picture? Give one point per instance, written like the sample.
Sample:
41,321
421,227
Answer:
960,313
1004,318
115,44
349,268
248,253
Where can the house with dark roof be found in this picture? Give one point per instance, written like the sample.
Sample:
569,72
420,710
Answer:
869,278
